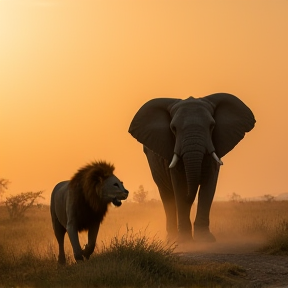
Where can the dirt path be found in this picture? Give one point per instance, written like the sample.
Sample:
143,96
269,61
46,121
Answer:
261,270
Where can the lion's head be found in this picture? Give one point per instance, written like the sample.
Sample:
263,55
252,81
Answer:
98,184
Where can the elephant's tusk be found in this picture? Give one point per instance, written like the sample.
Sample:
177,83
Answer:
174,161
216,158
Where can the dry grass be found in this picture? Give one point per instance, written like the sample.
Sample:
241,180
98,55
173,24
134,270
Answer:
277,243
247,219
129,257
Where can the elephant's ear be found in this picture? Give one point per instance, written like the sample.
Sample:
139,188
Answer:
151,126
232,120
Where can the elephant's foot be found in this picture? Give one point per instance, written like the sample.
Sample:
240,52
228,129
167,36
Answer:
184,238
171,238
202,234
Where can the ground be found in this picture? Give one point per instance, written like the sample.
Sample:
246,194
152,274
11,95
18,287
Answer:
259,269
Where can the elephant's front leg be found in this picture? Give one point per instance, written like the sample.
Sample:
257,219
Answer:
74,239
183,205
92,235
206,194
161,175
167,196
184,224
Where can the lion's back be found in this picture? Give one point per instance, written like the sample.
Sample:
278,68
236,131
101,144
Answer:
58,202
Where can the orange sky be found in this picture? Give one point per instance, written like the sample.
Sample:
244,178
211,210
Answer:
73,74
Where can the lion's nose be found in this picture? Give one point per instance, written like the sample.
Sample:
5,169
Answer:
125,192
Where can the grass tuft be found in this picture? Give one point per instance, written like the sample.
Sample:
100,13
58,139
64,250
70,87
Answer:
149,260
132,260
277,243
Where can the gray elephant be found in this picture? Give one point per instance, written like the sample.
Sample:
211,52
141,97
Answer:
183,141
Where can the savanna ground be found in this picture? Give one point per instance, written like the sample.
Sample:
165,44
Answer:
251,250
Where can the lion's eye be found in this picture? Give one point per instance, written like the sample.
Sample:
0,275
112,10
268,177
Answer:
116,185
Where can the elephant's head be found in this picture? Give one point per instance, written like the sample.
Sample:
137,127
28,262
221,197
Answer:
192,128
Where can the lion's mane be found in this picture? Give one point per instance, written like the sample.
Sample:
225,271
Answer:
87,182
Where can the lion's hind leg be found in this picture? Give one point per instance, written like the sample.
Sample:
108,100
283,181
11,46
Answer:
60,231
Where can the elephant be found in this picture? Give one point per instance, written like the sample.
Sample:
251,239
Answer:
184,141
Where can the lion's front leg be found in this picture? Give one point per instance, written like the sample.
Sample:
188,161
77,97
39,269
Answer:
74,239
92,235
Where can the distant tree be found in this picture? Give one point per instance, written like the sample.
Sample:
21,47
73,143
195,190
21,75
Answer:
3,186
268,197
235,197
17,205
140,196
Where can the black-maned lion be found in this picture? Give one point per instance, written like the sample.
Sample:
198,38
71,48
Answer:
81,204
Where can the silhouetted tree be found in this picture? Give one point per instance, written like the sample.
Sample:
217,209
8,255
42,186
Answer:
268,197
235,197
3,186
17,205
140,196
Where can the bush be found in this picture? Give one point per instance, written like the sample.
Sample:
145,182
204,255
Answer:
17,205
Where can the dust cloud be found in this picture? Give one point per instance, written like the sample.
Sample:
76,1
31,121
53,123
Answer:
234,233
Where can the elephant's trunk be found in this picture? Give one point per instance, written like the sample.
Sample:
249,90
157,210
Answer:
193,162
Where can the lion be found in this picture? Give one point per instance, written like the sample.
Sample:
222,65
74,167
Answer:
81,204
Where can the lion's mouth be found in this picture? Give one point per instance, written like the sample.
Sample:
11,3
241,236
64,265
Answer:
116,202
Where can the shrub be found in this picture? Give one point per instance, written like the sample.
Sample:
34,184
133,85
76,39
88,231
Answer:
17,205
